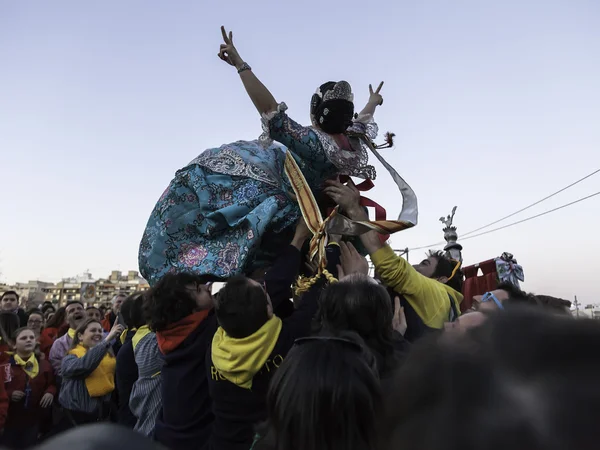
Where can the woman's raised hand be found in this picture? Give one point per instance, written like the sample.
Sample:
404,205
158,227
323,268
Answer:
228,52
116,331
375,98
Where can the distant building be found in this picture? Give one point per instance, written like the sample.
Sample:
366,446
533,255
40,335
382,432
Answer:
589,312
81,287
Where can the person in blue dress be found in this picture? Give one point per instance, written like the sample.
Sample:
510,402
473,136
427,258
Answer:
222,210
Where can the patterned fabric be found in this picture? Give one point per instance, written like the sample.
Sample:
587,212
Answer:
214,217
509,271
145,401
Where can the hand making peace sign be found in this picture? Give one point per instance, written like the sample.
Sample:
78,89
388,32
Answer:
375,97
228,52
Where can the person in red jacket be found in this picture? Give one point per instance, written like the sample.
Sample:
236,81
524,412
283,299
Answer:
3,401
31,389
56,327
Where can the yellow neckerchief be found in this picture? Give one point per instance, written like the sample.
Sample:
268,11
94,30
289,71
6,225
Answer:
72,333
139,335
102,380
238,360
124,334
31,366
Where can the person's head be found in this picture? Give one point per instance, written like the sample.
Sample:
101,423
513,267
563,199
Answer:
48,309
521,381
116,303
75,314
89,334
103,310
9,323
35,321
325,395
132,311
505,293
25,341
58,319
9,301
91,312
554,304
175,297
243,307
332,107
441,268
358,303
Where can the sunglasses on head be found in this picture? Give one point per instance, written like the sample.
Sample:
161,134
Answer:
490,297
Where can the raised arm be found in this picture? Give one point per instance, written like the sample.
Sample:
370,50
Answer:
74,367
261,97
375,100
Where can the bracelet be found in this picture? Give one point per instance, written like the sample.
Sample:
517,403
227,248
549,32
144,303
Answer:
244,67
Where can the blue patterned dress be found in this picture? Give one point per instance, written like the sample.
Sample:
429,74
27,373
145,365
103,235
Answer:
214,214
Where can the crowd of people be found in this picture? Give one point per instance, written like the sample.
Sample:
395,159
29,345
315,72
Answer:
302,349
359,363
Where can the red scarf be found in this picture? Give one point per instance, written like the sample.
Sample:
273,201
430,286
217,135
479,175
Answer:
170,338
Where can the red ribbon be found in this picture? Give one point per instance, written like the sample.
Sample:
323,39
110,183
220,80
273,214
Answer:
380,212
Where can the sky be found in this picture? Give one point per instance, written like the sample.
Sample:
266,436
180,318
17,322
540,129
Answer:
494,104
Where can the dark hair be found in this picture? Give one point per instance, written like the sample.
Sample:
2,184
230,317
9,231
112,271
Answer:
325,396
9,293
9,322
525,380
132,310
242,307
170,300
445,267
58,319
81,329
554,304
333,115
47,306
34,311
360,304
74,302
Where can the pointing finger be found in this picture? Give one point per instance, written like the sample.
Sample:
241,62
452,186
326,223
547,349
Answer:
379,88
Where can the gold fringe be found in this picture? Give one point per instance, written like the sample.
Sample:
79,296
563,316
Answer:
303,284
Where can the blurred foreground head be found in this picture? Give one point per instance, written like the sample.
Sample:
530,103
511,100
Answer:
325,396
527,379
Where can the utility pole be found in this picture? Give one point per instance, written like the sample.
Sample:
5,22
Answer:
576,303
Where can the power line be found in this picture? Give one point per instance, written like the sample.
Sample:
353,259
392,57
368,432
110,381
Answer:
514,223
532,205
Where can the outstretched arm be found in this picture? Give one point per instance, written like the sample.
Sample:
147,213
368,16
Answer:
261,97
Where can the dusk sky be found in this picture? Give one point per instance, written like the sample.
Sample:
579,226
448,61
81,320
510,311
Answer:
495,105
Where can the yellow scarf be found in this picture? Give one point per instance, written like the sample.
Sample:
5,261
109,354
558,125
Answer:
71,333
139,335
102,380
238,360
31,366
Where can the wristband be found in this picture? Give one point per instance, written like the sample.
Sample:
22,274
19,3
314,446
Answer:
244,67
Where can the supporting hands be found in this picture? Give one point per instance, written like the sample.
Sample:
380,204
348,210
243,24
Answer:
228,52
347,196
351,261
301,235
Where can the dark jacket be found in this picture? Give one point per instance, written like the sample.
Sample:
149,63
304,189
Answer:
28,412
126,375
237,410
186,418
